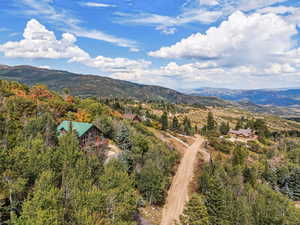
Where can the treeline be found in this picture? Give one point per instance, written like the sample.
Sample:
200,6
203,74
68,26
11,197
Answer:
285,177
184,127
282,175
45,180
231,192
258,126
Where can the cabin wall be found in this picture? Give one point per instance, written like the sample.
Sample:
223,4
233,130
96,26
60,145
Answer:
90,137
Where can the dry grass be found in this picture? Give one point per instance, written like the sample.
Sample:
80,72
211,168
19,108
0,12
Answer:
152,214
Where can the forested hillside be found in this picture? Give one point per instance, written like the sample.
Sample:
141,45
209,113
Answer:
49,178
97,86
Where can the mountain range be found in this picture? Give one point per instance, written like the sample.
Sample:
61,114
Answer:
272,97
92,85
99,86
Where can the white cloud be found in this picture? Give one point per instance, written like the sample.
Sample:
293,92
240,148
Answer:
38,42
208,2
41,43
167,24
277,10
97,4
241,40
280,69
45,67
247,5
114,65
68,22
98,35
195,11
252,51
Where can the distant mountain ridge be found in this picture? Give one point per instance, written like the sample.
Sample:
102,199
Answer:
285,97
93,85
98,86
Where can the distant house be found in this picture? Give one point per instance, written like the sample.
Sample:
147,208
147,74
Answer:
132,117
243,133
87,132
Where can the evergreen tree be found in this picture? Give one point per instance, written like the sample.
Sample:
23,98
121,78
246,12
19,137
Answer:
151,183
187,126
239,124
216,202
239,155
123,137
104,123
296,185
211,123
195,212
164,121
120,197
45,207
224,128
175,124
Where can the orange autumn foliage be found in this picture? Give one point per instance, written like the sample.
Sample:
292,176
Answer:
40,92
116,114
83,116
19,92
70,99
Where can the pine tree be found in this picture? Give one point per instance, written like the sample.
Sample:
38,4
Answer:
175,124
216,202
239,124
296,186
239,155
45,207
164,121
195,212
122,137
211,123
224,128
187,126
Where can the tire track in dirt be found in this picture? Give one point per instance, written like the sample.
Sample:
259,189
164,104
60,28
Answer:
178,192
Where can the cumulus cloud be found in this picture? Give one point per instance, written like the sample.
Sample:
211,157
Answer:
196,11
113,65
241,39
68,22
249,49
41,43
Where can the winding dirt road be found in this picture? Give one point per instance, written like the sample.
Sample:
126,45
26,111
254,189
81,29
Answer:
178,193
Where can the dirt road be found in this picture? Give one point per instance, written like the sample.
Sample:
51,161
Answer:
178,193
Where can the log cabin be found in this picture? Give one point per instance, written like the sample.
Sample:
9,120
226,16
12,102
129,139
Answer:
87,133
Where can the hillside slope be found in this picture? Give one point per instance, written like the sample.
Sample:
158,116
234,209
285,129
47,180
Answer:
91,85
98,86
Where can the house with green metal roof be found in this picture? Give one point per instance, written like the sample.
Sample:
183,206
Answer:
87,132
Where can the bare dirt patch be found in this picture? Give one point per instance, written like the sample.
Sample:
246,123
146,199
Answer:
179,190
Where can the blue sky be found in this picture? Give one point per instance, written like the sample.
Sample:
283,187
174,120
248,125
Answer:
180,44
